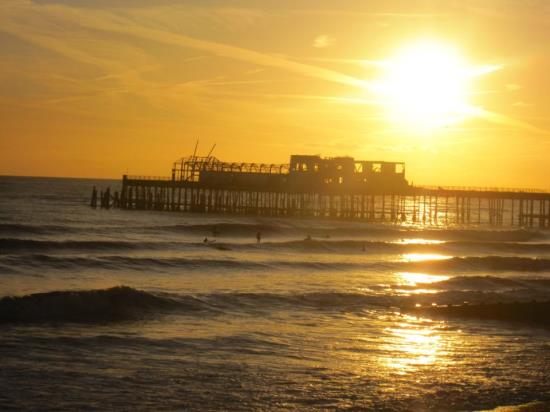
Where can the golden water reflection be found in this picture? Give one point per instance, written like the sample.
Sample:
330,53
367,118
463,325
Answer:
412,279
419,241
413,344
421,257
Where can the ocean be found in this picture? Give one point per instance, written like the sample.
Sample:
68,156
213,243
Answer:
133,310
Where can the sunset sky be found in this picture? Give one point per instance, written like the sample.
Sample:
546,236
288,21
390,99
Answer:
459,90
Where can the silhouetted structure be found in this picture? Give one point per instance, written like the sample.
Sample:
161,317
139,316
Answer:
339,187
303,174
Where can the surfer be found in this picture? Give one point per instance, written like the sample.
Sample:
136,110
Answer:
308,237
258,237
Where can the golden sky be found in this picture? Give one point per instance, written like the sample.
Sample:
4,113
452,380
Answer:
98,88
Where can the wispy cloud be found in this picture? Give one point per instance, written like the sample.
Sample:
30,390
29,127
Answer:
323,40
510,10
354,62
504,120
366,14
39,25
220,49
119,23
512,87
522,104
348,100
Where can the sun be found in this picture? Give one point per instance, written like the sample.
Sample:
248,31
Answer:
426,85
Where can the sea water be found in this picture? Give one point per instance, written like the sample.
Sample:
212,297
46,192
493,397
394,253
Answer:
159,319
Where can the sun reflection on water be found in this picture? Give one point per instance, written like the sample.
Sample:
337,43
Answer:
413,344
421,257
409,292
419,241
412,279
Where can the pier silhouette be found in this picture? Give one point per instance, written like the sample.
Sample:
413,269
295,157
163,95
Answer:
336,188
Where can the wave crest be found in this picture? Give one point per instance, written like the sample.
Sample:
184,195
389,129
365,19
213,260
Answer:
483,263
103,305
123,303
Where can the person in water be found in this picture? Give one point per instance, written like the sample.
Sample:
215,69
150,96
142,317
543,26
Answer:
258,237
308,237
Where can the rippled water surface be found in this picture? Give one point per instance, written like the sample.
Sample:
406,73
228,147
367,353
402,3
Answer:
232,324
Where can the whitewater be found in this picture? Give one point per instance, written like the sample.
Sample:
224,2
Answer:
111,309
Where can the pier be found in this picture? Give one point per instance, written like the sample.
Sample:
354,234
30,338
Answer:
332,188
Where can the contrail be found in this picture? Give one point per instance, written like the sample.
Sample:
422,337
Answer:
506,121
220,49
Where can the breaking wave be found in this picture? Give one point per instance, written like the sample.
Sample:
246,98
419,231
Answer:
318,229
113,304
388,247
470,264
232,229
291,228
300,246
23,229
482,263
359,230
487,283
116,262
11,245
123,303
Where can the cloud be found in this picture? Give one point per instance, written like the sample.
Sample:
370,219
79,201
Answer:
508,10
353,62
106,58
323,40
140,26
347,100
220,49
85,36
522,104
508,121
513,87
365,14
486,69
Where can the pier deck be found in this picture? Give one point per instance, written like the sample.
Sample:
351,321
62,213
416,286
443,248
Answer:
336,188
414,204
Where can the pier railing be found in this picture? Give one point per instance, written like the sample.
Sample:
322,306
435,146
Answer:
483,189
438,188
159,178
